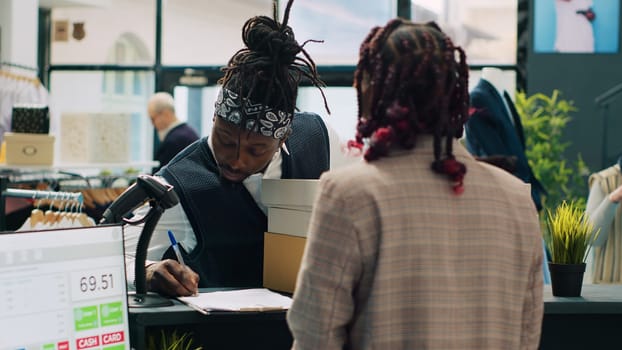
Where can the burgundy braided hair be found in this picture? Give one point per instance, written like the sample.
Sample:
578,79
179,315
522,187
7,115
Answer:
415,85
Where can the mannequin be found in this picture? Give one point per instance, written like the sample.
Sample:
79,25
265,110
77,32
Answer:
604,211
495,129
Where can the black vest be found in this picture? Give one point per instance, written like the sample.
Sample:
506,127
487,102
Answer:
226,220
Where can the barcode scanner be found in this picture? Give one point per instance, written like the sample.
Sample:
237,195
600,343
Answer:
146,188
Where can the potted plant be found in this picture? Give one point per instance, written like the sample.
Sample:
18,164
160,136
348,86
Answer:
569,237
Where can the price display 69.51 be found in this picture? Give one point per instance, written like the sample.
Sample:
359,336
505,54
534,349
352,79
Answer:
97,283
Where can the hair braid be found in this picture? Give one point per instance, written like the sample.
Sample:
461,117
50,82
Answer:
415,84
271,64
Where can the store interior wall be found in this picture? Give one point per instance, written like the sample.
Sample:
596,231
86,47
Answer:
581,78
18,27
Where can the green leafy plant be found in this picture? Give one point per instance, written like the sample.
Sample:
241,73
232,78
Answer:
570,234
171,340
544,119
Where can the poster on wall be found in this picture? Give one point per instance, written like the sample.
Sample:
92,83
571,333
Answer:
576,26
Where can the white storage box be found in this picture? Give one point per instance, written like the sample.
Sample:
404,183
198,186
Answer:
29,149
289,193
95,138
288,221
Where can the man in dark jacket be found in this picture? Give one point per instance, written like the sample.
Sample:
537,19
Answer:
256,135
174,134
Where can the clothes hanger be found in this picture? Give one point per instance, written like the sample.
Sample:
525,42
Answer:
17,77
36,215
83,219
65,219
51,215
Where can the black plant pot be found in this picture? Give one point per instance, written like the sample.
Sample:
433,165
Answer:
566,279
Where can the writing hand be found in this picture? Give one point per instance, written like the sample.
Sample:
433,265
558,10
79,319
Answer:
168,277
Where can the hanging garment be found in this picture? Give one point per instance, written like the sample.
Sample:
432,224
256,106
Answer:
494,129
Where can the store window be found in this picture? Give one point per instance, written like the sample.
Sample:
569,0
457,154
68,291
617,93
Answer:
128,49
83,34
342,104
486,29
199,32
342,25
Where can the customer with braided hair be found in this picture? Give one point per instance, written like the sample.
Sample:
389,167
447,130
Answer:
421,246
256,134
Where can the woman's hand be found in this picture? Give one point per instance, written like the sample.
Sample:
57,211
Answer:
616,195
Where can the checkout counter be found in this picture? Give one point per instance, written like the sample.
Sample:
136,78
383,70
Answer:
216,330
591,321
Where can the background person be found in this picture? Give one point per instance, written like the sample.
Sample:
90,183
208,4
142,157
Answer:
603,209
174,135
256,135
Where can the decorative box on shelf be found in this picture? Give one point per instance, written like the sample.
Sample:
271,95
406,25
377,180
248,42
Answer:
30,119
29,149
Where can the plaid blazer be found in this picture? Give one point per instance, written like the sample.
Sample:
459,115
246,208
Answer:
395,260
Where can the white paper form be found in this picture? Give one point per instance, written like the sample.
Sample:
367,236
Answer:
255,299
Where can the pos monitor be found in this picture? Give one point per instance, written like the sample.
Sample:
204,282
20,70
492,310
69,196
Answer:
63,289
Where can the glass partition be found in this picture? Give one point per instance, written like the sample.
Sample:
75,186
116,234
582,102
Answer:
342,104
341,24
199,32
486,29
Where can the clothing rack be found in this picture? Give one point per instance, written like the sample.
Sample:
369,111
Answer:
27,77
36,194
6,192
20,66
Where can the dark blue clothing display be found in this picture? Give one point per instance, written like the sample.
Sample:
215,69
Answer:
493,131
228,223
176,140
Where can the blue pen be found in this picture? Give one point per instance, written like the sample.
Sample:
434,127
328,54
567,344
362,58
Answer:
175,246
180,259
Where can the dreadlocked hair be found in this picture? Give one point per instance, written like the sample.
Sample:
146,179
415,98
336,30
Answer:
417,83
269,68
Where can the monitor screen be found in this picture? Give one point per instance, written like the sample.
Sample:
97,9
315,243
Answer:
63,289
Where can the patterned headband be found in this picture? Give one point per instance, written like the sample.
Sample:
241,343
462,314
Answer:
266,120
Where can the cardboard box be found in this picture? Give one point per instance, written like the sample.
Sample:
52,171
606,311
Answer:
289,193
95,138
281,261
29,149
